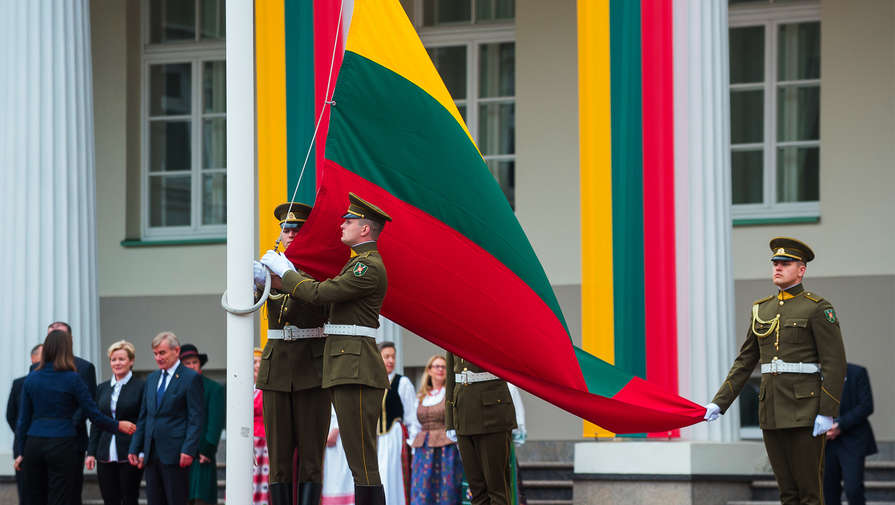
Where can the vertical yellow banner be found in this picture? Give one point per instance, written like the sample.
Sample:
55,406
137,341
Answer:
595,150
270,76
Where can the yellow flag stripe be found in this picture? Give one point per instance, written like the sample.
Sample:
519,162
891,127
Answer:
401,52
595,151
270,89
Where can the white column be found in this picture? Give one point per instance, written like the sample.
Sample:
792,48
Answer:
706,343
241,241
47,186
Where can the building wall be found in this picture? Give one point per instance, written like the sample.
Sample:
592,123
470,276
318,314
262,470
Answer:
146,290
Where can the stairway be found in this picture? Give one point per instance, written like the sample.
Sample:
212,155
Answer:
879,485
92,496
547,482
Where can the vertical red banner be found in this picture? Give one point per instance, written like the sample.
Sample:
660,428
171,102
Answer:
658,197
329,28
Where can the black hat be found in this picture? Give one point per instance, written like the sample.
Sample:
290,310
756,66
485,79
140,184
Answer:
187,350
790,249
358,208
292,215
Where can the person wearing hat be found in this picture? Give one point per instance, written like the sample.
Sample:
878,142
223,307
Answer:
353,370
795,335
296,409
203,471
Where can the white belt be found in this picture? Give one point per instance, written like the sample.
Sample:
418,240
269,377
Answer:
349,329
777,366
290,333
470,377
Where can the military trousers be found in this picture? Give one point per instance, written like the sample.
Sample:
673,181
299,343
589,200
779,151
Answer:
486,462
797,459
297,420
357,409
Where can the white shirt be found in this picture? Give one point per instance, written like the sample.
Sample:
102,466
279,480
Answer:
116,391
433,398
168,373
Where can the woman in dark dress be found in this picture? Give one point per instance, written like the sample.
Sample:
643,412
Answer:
121,398
46,443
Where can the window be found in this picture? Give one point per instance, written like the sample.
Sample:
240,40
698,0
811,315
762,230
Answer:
775,111
184,119
472,43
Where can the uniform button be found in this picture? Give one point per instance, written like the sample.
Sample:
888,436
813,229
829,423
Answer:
498,401
781,302
343,350
812,393
464,369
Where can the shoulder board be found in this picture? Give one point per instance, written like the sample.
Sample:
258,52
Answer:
756,302
364,254
814,297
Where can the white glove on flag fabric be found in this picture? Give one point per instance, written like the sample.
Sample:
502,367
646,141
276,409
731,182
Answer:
276,263
451,435
258,273
712,412
822,424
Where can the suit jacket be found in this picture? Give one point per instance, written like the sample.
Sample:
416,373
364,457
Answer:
88,374
130,399
175,426
477,408
795,326
12,405
857,405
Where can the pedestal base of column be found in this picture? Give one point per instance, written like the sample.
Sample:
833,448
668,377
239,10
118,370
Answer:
664,472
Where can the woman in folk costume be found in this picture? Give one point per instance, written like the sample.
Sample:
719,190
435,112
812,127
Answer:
397,425
261,468
437,469
338,483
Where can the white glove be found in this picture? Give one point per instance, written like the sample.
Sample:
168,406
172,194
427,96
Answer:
451,435
258,273
519,436
276,263
822,424
712,412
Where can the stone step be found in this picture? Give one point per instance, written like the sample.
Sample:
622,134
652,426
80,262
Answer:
545,470
549,502
874,490
547,490
777,502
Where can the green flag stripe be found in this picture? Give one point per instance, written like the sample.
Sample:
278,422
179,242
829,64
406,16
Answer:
418,152
300,113
627,186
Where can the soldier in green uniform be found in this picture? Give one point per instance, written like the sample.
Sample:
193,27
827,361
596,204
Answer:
795,336
352,366
296,408
481,415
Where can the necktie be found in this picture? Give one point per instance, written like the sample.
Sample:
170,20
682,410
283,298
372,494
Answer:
161,390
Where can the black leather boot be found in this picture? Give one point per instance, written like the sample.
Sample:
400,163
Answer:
369,495
309,493
280,493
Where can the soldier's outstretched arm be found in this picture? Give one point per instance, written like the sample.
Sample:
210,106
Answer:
739,372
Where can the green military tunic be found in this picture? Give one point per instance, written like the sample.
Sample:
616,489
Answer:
353,370
204,476
795,326
296,408
483,416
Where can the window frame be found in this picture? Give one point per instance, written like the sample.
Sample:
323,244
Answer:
195,53
471,36
771,17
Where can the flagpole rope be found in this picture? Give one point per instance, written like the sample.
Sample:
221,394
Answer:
326,101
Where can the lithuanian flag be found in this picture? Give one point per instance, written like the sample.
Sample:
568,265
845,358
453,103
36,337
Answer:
461,271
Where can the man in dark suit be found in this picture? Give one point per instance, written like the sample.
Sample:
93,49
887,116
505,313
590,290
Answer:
850,440
12,413
170,425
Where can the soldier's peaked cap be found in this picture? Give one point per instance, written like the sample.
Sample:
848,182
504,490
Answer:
790,249
292,215
358,208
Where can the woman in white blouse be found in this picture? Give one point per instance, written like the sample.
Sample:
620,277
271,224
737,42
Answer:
120,398
437,470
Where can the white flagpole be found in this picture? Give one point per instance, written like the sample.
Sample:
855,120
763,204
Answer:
241,237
